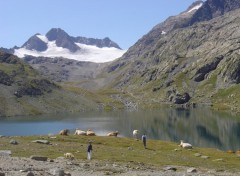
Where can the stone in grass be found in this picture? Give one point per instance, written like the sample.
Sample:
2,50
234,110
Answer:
57,172
41,141
30,174
204,157
191,170
5,153
39,158
67,174
220,159
177,149
170,168
197,154
14,142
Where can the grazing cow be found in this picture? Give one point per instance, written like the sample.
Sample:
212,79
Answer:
135,134
64,132
69,155
90,133
80,132
185,145
113,133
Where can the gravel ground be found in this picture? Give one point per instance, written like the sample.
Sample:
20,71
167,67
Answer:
15,166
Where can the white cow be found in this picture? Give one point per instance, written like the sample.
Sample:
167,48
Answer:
113,133
64,132
135,133
90,133
69,155
80,132
185,145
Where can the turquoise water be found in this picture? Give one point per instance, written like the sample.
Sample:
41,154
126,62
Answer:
200,127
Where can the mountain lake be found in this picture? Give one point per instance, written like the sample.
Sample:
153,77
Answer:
201,127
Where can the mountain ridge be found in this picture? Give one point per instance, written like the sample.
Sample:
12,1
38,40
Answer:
57,43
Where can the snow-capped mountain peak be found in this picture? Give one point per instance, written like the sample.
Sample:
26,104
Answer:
57,43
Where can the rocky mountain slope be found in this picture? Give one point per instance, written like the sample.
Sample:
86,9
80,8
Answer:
24,91
65,70
57,43
186,59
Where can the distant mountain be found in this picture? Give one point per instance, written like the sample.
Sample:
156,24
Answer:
57,43
189,58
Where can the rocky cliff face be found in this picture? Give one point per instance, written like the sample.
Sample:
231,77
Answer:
198,63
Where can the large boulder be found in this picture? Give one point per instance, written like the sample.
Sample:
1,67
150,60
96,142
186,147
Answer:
178,98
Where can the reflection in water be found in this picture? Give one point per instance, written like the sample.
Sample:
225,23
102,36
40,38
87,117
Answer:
200,126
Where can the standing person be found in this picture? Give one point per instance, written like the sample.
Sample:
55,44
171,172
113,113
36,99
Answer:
89,150
144,139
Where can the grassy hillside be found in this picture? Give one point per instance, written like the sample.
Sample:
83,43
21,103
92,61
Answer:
23,91
158,153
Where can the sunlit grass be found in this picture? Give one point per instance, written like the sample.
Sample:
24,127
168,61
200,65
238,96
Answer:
159,153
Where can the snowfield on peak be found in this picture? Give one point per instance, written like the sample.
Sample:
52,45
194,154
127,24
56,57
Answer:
43,38
195,8
88,53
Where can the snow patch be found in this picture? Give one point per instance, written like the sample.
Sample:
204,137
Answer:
163,33
86,53
195,8
43,38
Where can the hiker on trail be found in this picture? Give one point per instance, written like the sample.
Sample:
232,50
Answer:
144,139
89,151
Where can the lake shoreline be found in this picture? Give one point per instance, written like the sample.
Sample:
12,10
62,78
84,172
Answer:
201,127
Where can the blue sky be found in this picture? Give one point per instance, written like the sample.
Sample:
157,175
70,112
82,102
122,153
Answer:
123,21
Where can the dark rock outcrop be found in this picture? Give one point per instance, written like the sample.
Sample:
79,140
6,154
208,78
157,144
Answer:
5,79
62,39
207,68
106,42
178,98
35,43
39,158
